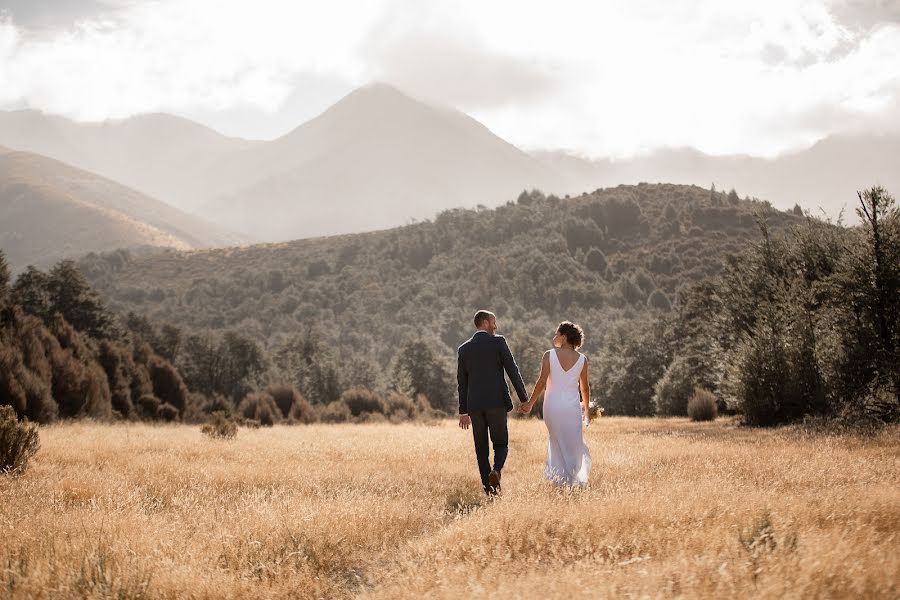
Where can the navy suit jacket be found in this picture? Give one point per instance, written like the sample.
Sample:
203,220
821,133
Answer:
479,374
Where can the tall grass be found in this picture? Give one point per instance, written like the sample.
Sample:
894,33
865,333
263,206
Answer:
674,509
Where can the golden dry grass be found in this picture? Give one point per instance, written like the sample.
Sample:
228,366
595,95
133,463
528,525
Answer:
675,509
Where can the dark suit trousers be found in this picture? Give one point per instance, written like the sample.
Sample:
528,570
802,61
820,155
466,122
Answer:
490,422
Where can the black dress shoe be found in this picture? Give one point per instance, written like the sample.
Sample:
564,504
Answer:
494,479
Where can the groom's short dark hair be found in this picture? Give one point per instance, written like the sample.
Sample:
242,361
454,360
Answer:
483,315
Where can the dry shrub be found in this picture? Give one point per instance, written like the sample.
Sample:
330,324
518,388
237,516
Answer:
220,426
335,412
80,388
167,383
702,405
285,397
372,417
149,404
260,407
401,408
360,400
302,411
167,412
117,363
18,442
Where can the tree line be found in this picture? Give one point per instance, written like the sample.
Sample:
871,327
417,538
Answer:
679,289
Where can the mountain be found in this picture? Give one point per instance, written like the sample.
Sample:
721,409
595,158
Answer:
50,210
375,159
380,158
824,177
163,156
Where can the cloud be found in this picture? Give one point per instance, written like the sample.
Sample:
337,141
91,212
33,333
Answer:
429,50
174,55
605,78
49,13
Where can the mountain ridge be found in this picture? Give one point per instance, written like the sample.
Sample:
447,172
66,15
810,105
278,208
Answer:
51,210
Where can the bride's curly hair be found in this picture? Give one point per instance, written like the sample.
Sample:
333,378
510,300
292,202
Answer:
573,332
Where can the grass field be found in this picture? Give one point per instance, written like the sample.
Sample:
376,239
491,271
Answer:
674,509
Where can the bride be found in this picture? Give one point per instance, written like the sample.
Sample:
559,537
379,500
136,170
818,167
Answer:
564,374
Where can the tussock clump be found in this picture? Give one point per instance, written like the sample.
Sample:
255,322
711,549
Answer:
220,426
702,406
18,442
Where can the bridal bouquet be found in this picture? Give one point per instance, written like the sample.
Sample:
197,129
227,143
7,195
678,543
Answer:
594,412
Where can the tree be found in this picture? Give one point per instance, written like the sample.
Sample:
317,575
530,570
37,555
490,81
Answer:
227,365
625,376
31,293
4,279
72,296
417,371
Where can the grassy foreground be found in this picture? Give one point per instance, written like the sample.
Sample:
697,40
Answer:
381,511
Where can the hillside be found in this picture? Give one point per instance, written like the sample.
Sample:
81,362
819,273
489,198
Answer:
619,255
50,210
160,155
825,176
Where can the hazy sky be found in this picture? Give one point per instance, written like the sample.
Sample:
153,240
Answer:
603,78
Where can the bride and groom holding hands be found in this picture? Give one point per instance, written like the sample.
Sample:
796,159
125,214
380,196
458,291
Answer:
484,401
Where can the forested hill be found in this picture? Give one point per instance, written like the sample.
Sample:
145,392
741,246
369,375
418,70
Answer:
617,256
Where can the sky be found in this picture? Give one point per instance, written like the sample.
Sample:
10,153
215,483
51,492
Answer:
599,78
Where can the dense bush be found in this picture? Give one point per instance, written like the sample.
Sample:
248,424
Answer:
63,354
167,412
335,412
260,407
702,406
401,408
18,442
285,397
361,400
303,412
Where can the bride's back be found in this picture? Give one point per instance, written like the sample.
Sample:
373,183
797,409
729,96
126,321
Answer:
567,357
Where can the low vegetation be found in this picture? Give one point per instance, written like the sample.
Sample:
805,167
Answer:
702,406
18,442
220,426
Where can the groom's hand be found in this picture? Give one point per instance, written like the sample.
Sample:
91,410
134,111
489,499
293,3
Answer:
464,421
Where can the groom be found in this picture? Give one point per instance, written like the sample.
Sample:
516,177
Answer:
484,397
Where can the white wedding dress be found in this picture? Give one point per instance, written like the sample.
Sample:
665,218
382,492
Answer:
568,458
